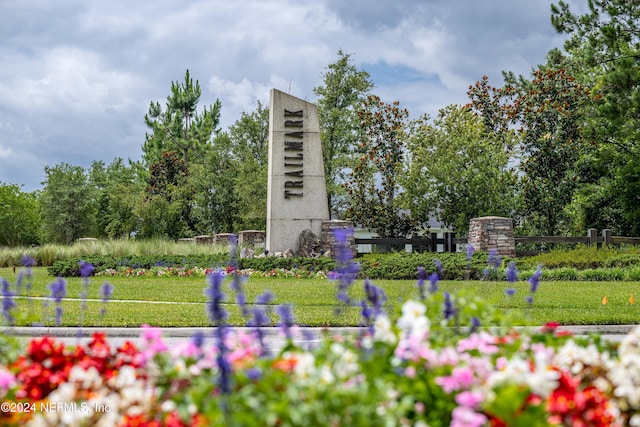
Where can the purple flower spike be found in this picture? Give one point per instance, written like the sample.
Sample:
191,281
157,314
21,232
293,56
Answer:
27,261
475,324
107,292
422,275
86,269
286,320
510,292
470,250
448,310
217,314
534,280
512,273
8,303
439,266
494,258
434,278
58,291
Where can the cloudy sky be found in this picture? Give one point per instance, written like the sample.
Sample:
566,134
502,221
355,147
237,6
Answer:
77,76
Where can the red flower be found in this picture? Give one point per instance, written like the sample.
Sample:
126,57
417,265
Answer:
568,405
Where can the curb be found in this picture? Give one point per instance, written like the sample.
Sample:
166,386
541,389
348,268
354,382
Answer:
135,332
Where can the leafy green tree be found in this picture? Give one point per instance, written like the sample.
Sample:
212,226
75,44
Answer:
118,192
374,186
180,127
457,170
548,108
166,210
213,182
343,91
249,137
67,204
604,47
19,216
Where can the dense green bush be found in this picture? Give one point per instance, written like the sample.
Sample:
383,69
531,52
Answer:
564,273
623,260
603,274
584,257
71,266
404,266
577,264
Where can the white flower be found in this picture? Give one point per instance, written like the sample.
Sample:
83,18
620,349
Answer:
414,319
382,330
168,406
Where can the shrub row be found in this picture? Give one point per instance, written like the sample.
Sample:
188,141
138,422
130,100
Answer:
394,266
71,267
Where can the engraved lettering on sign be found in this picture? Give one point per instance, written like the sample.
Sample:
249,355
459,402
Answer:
293,146
288,194
298,134
297,113
294,143
293,184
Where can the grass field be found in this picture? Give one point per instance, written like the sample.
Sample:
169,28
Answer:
180,301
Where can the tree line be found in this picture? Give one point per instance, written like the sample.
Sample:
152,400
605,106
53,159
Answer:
555,150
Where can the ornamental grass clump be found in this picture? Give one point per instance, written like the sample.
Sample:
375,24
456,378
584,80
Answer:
443,359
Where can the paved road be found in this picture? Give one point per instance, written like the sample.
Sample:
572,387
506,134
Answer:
274,339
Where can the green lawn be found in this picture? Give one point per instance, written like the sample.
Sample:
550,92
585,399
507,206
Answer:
175,302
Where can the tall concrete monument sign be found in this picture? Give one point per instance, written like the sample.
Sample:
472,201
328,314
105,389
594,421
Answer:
296,190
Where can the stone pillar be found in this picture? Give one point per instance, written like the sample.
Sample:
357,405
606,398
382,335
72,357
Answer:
252,238
328,234
296,188
492,232
223,238
203,240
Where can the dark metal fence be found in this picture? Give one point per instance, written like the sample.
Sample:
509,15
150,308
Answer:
447,242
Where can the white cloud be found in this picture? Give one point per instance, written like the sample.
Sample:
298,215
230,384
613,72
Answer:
77,76
5,152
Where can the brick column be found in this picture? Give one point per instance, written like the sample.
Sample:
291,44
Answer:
492,232
328,234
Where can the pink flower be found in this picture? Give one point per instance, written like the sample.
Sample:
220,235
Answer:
482,342
410,372
153,342
461,378
470,399
7,380
465,417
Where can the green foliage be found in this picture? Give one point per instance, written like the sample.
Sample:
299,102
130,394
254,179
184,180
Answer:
404,265
46,255
344,88
548,109
457,170
603,48
67,204
602,274
118,193
180,127
71,267
582,257
374,184
562,273
271,263
249,138
19,216
214,199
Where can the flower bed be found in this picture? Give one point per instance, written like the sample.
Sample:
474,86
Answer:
443,360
